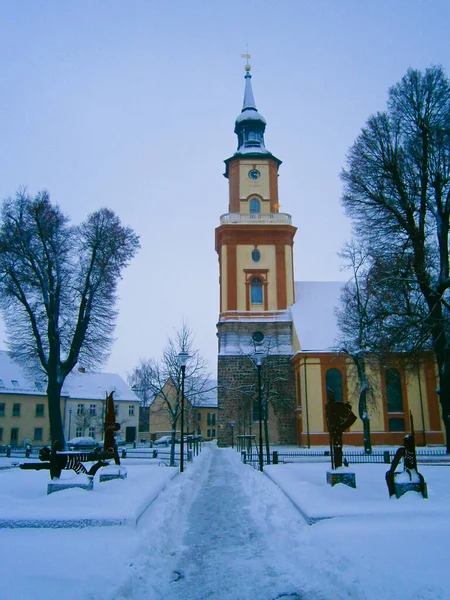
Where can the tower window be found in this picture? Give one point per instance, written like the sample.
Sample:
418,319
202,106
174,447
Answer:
256,255
256,291
255,206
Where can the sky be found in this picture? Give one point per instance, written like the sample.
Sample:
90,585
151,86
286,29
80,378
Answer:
131,105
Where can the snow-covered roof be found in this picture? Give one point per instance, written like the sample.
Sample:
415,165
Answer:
313,314
91,386
14,380
209,398
95,386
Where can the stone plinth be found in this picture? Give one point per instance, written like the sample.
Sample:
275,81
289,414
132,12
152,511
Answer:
84,482
113,472
347,478
403,487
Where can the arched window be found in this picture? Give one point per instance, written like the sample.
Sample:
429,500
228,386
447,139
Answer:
256,291
255,206
333,380
394,391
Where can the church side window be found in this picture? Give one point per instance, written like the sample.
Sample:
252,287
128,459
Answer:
255,206
256,291
394,391
394,399
333,381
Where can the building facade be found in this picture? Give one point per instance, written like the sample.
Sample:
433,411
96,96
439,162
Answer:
290,327
24,409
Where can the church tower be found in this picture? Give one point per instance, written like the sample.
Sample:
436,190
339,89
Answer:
254,243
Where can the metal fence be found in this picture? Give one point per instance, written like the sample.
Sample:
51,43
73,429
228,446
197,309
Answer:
351,456
137,451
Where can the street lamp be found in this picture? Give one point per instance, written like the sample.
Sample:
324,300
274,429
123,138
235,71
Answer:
232,424
182,357
70,420
258,358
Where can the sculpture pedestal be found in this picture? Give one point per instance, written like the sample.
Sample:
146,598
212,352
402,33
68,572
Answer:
402,488
85,482
347,478
113,472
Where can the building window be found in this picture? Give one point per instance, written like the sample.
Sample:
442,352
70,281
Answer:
208,433
92,432
199,416
256,291
255,206
1,434
208,419
38,434
16,410
131,410
394,391
396,424
213,419
15,384
79,432
80,409
333,381
39,410
14,436
93,410
213,433
2,409
256,255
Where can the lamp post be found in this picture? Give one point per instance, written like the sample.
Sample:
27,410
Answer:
232,424
258,358
70,420
182,360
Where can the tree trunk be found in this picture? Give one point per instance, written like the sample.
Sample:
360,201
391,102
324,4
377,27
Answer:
54,412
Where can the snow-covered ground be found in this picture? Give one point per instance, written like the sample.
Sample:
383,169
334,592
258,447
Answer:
225,531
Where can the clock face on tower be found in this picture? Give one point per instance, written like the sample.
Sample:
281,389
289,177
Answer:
254,174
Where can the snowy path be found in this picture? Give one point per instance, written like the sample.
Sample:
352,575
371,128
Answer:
238,538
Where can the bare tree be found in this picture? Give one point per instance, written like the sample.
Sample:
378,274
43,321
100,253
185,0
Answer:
58,288
162,379
397,191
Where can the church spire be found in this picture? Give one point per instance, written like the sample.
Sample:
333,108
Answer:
250,124
249,100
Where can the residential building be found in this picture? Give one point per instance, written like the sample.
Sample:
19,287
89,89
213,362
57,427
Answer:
200,413
24,410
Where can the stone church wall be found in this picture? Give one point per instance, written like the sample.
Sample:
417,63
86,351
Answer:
238,390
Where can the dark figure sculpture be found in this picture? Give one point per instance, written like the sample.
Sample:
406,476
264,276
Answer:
408,453
56,461
339,418
109,443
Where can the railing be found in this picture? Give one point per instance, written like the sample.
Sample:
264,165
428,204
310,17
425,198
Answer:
351,456
257,218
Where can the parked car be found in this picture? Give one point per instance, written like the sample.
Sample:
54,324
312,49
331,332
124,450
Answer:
82,443
165,440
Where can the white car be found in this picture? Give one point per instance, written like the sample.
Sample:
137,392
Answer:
163,441
82,443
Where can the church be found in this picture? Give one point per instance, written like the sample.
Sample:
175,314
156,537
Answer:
277,336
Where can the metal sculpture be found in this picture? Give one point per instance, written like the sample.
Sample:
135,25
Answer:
56,461
339,418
